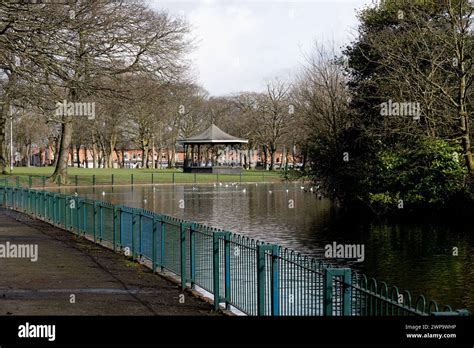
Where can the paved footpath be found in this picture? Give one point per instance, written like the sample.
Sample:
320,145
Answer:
102,282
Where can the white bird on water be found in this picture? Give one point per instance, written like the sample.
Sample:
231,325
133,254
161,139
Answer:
220,184
144,201
103,193
215,185
270,192
302,187
75,194
244,190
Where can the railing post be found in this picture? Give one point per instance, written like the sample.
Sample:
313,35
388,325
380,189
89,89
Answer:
101,222
121,229
30,181
77,215
275,283
131,179
163,244
140,233
215,268
329,274
134,223
192,255
347,292
43,179
115,228
154,263
62,219
183,227
93,179
173,179
260,280
53,215
76,179
45,205
68,210
227,269
17,181
327,307
84,218
112,179
94,205
152,178
262,249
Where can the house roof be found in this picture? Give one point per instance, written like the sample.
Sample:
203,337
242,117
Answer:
213,135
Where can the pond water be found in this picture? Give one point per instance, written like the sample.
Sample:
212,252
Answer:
416,256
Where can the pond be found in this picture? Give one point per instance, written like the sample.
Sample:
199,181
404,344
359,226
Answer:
416,256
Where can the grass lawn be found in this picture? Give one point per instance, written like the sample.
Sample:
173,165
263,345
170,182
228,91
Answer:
35,176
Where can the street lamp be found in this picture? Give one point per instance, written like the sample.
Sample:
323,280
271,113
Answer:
11,143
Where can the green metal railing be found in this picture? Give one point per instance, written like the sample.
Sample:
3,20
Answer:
254,277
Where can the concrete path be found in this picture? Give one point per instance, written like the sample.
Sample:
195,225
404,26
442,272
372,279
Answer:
71,269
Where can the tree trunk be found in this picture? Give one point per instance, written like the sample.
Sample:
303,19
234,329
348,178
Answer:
86,157
173,153
40,156
168,158
145,157
160,157
110,158
78,153
466,141
272,157
100,158
462,102
305,157
28,155
60,172
94,151
3,140
153,153
293,154
57,144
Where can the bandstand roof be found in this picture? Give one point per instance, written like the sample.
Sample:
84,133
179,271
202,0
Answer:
213,135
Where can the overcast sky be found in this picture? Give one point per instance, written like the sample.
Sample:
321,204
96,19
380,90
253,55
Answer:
243,43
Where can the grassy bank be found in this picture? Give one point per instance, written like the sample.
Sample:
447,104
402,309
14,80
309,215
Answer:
38,177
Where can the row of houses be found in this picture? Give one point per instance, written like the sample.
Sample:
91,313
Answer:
132,158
